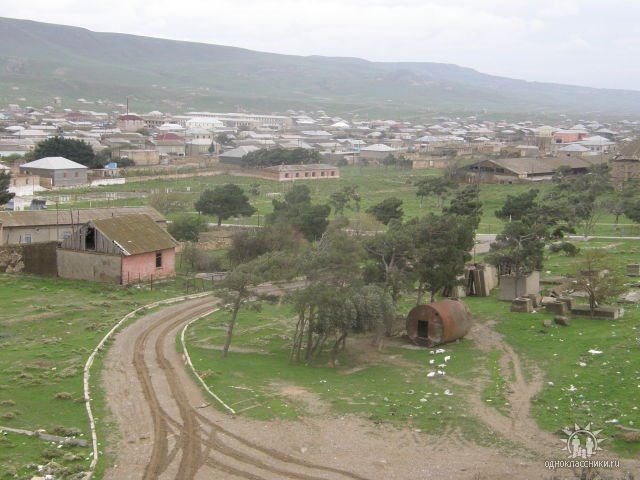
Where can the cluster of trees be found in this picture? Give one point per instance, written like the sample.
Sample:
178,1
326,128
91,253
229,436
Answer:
224,202
280,156
435,187
76,150
430,251
334,302
297,210
533,221
351,283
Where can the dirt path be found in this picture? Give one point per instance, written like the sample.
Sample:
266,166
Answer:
518,426
168,431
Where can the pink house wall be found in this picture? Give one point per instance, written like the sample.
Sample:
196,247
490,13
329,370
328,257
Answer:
568,137
143,266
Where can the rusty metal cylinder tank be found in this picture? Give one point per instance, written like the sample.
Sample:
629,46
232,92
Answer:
439,322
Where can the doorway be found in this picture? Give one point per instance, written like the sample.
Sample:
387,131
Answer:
423,329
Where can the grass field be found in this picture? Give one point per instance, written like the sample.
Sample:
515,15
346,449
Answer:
374,184
258,381
48,328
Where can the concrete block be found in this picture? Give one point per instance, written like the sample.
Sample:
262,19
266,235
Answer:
605,313
536,299
567,300
557,308
522,305
633,269
511,288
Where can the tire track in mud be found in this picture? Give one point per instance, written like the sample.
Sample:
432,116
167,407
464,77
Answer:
200,444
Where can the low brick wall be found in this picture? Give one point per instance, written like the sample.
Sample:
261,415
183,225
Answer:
91,266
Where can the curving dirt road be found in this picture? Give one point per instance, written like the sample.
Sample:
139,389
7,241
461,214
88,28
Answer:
167,430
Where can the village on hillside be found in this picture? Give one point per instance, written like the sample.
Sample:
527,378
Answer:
480,151
458,281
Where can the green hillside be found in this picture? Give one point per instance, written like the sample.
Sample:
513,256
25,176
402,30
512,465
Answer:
39,61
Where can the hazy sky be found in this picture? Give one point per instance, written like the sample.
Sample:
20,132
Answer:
582,42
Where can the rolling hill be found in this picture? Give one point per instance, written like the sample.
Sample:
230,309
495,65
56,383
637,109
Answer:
39,61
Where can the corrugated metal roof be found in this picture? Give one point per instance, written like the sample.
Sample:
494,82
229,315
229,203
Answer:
239,152
53,163
80,216
135,234
539,166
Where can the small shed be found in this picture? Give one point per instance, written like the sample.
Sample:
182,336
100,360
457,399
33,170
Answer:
123,250
438,322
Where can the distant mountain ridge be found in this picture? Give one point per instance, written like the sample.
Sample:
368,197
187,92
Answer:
45,60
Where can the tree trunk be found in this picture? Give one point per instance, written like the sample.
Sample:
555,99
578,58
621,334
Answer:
317,348
232,323
295,344
387,272
420,290
592,304
219,221
433,296
310,335
336,348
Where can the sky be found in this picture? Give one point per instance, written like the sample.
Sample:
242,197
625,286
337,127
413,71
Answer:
580,42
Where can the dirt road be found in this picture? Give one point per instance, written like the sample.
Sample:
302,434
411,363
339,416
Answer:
167,430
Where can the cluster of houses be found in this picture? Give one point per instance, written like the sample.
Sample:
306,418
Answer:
490,151
126,245
113,245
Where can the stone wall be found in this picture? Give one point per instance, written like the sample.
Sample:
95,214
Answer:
35,258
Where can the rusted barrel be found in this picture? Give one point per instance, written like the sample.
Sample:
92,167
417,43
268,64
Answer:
438,322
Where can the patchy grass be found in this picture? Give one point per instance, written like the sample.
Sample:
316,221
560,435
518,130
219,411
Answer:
494,392
579,387
48,327
388,387
393,387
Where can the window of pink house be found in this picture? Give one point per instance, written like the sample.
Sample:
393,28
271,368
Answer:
158,259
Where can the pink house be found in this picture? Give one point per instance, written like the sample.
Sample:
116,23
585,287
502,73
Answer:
569,136
123,250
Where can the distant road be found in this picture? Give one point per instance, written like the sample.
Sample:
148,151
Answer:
484,240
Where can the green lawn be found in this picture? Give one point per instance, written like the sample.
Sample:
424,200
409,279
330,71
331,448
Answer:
48,327
374,183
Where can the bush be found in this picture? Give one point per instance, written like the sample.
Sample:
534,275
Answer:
569,249
187,228
201,261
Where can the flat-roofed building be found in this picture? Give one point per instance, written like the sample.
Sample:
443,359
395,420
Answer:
314,171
